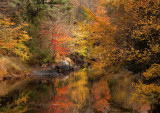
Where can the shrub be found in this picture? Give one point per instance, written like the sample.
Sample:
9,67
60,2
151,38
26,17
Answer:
41,58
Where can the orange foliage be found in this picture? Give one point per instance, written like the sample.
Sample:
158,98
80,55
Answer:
100,95
99,40
61,103
12,38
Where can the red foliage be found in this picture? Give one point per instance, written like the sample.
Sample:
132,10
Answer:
61,102
57,38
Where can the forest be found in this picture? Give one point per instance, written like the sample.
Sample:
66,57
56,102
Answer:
106,41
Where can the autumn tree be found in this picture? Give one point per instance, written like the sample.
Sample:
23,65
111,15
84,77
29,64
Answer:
57,41
96,41
138,33
147,90
129,38
12,38
41,13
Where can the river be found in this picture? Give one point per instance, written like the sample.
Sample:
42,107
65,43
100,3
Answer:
73,93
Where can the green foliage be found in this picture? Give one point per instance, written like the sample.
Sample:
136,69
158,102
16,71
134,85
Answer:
45,57
59,1
84,13
42,57
32,11
67,8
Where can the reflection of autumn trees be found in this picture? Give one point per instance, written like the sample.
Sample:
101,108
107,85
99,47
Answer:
79,90
72,95
14,103
100,95
61,102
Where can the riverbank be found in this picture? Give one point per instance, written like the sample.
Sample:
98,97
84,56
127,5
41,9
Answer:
11,67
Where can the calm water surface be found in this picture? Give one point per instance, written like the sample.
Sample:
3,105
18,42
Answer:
73,93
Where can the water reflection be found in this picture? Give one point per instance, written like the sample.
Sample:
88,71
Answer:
72,94
25,95
100,94
69,94
61,102
121,88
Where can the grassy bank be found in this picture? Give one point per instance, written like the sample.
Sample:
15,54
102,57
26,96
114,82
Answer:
12,67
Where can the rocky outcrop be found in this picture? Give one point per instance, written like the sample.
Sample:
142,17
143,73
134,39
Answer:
62,67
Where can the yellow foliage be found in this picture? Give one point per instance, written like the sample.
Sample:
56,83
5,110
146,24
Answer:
13,38
19,104
94,39
23,99
146,93
153,71
18,109
80,43
96,70
79,91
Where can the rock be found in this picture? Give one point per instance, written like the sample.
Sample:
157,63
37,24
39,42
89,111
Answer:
64,68
63,63
44,65
53,67
71,63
